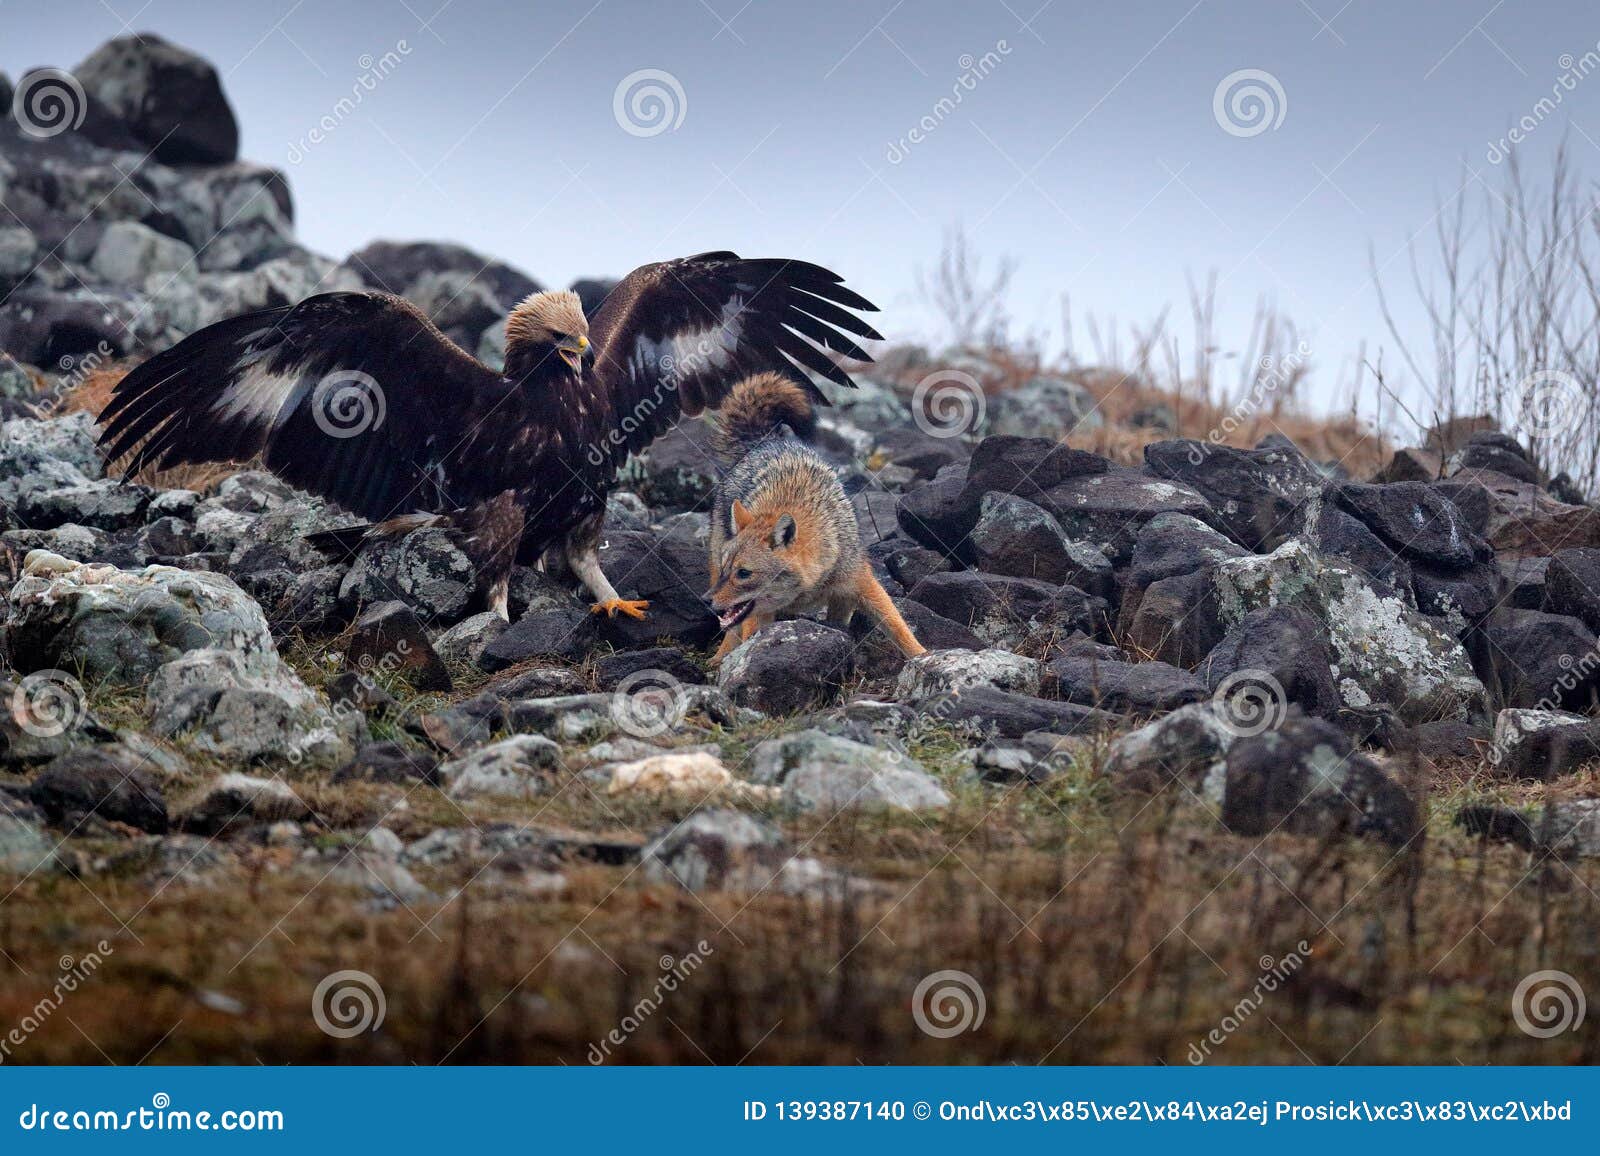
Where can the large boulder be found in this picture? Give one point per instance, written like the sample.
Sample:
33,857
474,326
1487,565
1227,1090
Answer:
1385,653
1524,519
1284,648
946,671
1416,521
1534,659
109,782
1543,744
1007,612
1572,585
171,99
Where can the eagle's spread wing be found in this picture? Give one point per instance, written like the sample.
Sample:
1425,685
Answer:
355,396
674,337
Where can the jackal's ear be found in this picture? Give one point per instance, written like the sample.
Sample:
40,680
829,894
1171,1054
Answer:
740,516
783,532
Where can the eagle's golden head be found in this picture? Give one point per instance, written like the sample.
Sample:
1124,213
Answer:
552,319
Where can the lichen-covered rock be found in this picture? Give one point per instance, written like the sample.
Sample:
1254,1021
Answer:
1571,828
518,767
945,671
1044,406
465,642
249,707
1186,747
722,850
103,504
120,625
1015,537
1384,651
823,772
1543,744
1006,612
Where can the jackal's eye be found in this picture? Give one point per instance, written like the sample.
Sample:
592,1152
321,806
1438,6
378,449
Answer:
742,574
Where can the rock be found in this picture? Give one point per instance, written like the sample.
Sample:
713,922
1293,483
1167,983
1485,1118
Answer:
462,726
396,267
1014,537
42,716
170,98
1334,533
19,252
822,772
1303,778
1187,747
940,672
1142,688
1007,612
563,634
235,706
1534,659
1523,519
1412,464
985,711
1170,546
129,252
1465,598
1109,510
1571,828
632,666
1289,648
464,643
519,767
1445,740
434,575
722,850
1572,584
388,639
668,571
24,848
787,667
536,682
41,327
1177,620
119,625
1049,406
1384,651
1415,521
698,774
234,801
1027,467
1493,450
679,469
388,763
940,514
109,782
1259,496
1542,744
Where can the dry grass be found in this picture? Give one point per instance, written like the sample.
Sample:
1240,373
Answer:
1101,929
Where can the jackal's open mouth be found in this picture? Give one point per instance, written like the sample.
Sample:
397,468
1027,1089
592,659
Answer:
735,614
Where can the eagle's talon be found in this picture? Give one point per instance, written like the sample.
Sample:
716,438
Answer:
611,606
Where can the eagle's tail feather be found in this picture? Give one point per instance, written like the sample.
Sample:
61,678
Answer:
346,541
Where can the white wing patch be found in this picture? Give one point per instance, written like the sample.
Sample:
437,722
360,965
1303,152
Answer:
256,397
693,351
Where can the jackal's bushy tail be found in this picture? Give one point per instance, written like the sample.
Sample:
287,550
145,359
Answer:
756,407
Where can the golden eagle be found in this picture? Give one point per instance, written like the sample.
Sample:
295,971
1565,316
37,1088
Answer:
360,398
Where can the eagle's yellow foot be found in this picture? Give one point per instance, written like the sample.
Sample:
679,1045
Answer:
612,606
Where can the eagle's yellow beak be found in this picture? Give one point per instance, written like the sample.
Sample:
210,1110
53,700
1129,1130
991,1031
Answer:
572,350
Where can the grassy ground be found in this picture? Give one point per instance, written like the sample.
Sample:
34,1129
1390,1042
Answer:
1100,929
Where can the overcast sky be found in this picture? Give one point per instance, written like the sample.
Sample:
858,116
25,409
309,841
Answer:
1087,141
